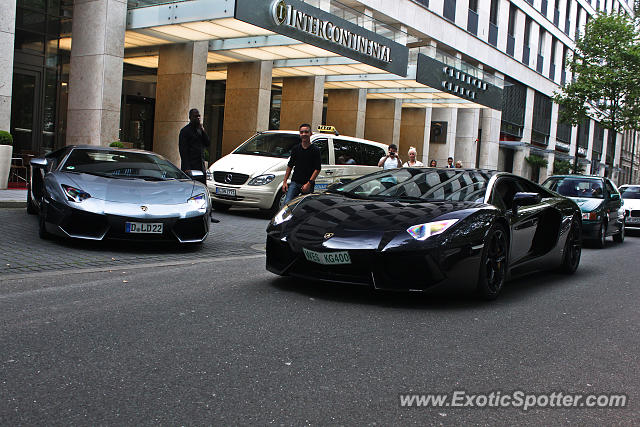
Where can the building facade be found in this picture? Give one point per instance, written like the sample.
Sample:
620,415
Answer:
468,79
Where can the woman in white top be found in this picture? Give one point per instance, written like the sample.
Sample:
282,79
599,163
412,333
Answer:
412,162
391,160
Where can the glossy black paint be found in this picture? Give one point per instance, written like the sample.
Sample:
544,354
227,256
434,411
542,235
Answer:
386,256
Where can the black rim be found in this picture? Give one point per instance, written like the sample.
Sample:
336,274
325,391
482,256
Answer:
496,260
603,236
574,246
622,231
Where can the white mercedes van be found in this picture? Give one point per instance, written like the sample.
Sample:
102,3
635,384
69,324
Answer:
252,174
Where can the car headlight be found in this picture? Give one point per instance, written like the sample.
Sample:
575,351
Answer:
262,180
74,194
284,215
198,201
590,215
424,231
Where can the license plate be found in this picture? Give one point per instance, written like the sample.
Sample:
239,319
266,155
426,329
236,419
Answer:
226,191
327,258
143,227
632,219
320,187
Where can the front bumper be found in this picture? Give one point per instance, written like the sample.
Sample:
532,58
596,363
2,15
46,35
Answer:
591,229
400,270
254,196
100,220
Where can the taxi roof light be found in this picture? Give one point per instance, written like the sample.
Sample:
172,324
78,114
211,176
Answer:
327,129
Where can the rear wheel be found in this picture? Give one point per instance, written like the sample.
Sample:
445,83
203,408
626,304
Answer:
619,237
602,236
572,249
220,207
32,209
493,265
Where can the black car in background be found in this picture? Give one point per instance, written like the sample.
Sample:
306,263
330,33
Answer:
415,228
599,201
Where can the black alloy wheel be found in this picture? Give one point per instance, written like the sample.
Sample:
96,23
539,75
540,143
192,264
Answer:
32,209
278,203
42,228
572,249
602,236
493,267
619,236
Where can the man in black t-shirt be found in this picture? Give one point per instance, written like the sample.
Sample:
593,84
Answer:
193,140
305,162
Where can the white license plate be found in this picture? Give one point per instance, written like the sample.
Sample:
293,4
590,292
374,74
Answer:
143,227
226,191
632,219
327,258
320,187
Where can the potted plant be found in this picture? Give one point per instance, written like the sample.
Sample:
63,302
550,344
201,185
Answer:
6,149
536,162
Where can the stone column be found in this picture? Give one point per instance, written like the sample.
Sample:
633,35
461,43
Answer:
383,121
440,152
95,77
346,110
7,39
466,136
553,131
490,123
247,102
182,71
302,102
520,166
414,132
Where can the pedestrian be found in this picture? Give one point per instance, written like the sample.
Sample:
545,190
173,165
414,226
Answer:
433,163
412,162
391,160
305,161
192,142
449,163
458,164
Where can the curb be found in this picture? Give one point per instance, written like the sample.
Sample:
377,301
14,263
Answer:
12,204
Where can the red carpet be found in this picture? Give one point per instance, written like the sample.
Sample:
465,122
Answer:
17,185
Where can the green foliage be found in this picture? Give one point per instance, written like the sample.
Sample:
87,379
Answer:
562,167
116,144
536,161
5,138
606,66
206,155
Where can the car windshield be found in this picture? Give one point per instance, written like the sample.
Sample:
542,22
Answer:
121,164
419,185
270,145
630,192
576,187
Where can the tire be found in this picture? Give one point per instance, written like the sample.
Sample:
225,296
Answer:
42,229
602,236
220,207
493,263
278,202
32,209
619,236
572,249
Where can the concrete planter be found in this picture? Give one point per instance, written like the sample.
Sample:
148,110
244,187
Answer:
5,165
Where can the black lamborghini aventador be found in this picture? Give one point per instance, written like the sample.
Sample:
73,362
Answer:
416,228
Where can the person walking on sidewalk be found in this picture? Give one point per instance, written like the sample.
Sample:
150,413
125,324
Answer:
305,162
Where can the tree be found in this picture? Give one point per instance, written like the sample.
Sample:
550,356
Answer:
606,67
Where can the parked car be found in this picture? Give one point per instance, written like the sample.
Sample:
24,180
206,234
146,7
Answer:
631,204
412,229
95,193
600,202
252,174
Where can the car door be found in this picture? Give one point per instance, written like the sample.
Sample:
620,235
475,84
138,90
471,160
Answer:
324,178
613,203
354,159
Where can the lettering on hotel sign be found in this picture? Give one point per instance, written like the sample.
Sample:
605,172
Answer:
314,26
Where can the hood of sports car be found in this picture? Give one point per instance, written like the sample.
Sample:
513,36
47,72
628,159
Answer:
131,190
587,204
329,213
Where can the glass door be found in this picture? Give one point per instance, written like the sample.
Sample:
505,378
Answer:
25,110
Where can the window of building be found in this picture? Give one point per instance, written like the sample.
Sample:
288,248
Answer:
542,35
511,29
493,22
449,11
541,119
472,19
567,18
552,59
526,51
514,100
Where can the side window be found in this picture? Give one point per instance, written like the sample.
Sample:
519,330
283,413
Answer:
529,187
323,145
610,188
346,152
503,193
370,154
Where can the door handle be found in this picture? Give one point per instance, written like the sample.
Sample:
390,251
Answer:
330,172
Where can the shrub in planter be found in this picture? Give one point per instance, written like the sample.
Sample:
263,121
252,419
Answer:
6,149
116,144
5,138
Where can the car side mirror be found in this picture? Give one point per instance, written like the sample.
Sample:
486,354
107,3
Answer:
39,162
526,199
195,174
615,196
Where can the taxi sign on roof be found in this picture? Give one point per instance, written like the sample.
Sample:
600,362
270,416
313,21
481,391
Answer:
327,129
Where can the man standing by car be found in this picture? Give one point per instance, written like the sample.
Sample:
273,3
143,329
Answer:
305,161
192,143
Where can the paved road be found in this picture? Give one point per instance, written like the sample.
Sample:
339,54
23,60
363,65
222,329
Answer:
218,340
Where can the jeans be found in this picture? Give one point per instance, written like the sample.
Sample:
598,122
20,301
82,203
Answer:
294,191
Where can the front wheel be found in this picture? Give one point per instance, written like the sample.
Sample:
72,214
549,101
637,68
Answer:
619,237
572,249
278,202
493,264
42,227
602,236
32,209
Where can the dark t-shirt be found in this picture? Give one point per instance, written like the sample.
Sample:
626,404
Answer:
192,143
304,162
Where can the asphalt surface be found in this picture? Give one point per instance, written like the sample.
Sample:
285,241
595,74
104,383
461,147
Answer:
213,338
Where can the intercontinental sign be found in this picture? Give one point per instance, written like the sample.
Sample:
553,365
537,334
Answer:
286,14
314,26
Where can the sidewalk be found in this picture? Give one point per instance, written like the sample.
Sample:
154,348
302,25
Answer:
13,198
